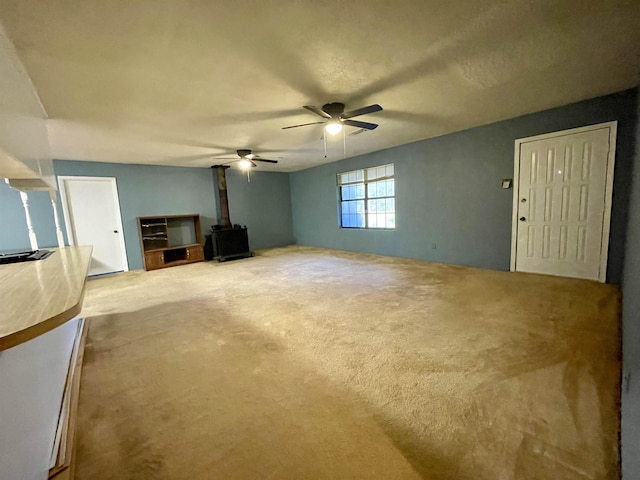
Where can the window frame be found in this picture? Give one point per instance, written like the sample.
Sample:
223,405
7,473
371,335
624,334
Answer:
366,182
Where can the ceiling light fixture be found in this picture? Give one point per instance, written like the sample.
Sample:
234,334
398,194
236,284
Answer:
244,163
333,127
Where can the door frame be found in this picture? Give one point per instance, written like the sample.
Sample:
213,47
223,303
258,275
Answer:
62,187
606,224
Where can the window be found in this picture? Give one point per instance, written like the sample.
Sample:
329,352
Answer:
367,198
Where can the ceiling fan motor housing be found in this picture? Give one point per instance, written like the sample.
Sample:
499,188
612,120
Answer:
333,113
334,109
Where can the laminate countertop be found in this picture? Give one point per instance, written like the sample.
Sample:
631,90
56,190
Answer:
38,296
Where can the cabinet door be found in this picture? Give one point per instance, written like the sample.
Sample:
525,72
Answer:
195,253
153,260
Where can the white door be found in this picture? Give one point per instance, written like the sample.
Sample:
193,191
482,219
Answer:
562,202
92,215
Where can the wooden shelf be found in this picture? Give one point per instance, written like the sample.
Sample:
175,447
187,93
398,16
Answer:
149,225
177,262
171,248
171,240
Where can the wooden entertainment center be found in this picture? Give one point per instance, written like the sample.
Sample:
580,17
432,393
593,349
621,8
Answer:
170,240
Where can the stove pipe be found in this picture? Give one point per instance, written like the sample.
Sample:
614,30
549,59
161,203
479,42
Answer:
223,203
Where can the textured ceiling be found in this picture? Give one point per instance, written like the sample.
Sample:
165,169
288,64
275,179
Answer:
178,82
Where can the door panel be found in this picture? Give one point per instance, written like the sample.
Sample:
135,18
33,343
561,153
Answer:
561,204
93,218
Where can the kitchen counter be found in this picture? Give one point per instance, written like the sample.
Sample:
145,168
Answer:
38,296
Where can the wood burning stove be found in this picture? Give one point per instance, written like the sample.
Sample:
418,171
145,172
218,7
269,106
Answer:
226,241
230,243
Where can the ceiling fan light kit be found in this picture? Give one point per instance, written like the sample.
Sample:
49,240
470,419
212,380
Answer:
333,127
335,117
245,163
246,159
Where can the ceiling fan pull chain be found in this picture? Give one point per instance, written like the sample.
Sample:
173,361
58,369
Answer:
324,138
344,143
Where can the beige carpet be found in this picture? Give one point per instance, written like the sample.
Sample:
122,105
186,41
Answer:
304,363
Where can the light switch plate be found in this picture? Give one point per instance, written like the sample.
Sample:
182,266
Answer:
506,183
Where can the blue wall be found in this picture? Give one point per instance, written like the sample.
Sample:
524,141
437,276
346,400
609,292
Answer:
448,190
263,205
631,328
150,190
13,226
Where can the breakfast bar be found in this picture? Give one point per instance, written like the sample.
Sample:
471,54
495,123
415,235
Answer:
41,344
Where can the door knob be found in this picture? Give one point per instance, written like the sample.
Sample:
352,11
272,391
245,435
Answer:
522,219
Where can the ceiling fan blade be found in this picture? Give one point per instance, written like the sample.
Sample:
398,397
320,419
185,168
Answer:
224,163
361,111
365,125
302,125
317,111
264,160
357,132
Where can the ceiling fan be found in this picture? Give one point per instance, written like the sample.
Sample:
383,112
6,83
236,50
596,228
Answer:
335,117
247,159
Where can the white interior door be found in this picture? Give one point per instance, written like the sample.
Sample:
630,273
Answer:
92,215
562,202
